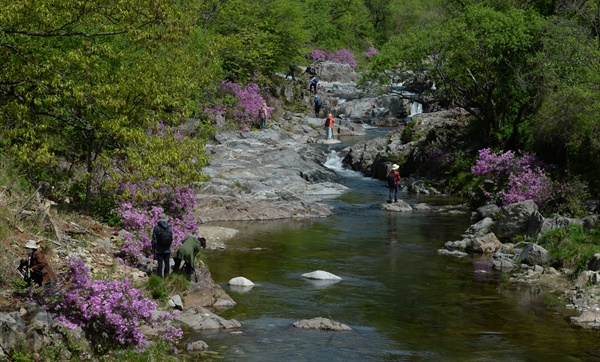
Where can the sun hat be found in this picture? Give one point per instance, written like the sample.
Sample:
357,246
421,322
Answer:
395,167
162,217
31,244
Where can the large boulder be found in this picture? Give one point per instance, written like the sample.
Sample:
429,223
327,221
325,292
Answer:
533,254
540,225
204,292
200,319
514,219
333,72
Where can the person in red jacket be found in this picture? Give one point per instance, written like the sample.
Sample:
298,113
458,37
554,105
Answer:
393,179
329,126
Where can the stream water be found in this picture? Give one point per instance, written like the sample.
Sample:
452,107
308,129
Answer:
403,301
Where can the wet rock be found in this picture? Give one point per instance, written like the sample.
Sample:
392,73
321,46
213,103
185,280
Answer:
321,324
197,346
456,253
241,282
204,292
321,275
399,206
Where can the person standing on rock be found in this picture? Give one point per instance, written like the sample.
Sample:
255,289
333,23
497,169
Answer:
393,179
162,238
263,114
318,105
329,121
38,268
187,254
312,84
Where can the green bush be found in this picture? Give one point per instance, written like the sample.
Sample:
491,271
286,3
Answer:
572,247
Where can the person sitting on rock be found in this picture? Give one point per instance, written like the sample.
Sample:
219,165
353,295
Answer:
187,252
38,269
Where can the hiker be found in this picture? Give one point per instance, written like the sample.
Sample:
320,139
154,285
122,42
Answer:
393,179
292,71
329,121
162,238
187,253
263,114
312,84
318,105
37,270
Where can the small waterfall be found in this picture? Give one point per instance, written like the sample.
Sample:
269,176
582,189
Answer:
334,163
415,108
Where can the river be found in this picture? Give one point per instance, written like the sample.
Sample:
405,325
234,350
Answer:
403,301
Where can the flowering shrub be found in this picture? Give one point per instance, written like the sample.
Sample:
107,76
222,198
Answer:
109,311
342,56
437,160
240,103
509,178
369,53
140,208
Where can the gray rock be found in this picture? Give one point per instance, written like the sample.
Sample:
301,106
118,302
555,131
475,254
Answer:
487,211
204,292
199,319
399,206
481,228
514,219
457,245
176,302
456,253
321,324
12,329
197,346
533,254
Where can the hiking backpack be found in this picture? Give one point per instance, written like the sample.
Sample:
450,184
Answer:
164,236
327,122
391,179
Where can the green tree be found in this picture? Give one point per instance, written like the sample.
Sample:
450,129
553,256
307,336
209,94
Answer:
257,37
82,81
337,24
483,60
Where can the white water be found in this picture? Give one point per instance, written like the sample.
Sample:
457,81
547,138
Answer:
334,163
415,108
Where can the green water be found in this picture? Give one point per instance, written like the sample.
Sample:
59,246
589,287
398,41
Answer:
403,300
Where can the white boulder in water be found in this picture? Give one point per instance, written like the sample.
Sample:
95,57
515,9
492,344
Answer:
321,275
241,281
